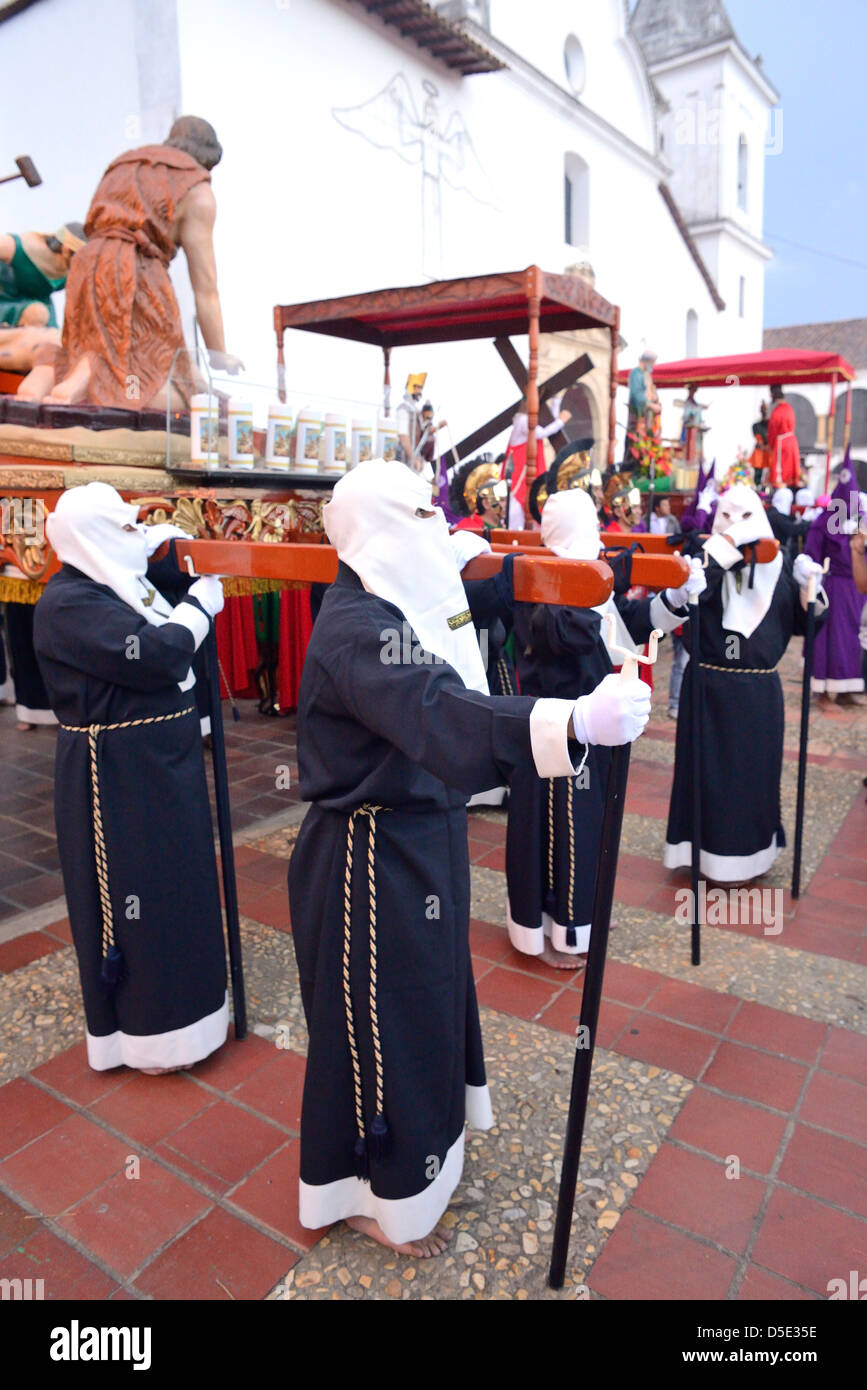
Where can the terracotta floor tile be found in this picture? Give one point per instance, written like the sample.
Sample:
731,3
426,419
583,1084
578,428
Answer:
694,1193
741,1071
534,965
65,1273
21,950
226,1140
71,1074
128,1219
668,1045
494,859
629,984
275,1090
63,1165
267,869
722,1127
688,1003
761,1287
271,1195
644,1260
808,1242
775,1031
480,967
516,994
632,892
845,1054
488,940
61,931
25,1113
823,1165
853,867
828,887
481,829
148,1108
821,939
835,1103
221,1257
564,1015
234,1062
271,908
16,1225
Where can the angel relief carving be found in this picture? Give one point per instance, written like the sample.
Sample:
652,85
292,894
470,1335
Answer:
439,143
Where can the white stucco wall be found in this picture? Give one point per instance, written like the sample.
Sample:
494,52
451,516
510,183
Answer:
308,207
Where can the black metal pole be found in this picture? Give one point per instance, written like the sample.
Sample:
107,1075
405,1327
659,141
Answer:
695,763
612,823
224,825
809,637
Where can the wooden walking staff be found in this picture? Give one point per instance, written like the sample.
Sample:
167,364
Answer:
694,676
809,638
534,303
612,823
829,443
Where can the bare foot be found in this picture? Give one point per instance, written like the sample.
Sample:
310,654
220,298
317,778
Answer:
36,384
74,387
163,1071
432,1244
562,960
851,697
22,727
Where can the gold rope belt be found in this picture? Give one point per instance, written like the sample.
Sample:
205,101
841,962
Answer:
740,670
100,854
375,1140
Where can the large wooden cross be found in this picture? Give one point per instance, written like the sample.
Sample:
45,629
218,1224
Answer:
567,376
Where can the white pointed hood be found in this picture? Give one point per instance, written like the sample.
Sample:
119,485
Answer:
745,606
86,530
570,528
383,525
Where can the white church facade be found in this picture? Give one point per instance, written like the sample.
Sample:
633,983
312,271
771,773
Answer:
355,158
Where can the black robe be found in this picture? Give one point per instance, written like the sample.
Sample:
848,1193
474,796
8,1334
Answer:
391,751
170,1006
555,824
742,725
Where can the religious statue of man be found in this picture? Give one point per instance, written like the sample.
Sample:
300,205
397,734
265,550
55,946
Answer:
409,422
122,327
644,407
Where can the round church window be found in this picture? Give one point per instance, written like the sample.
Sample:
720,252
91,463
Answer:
576,69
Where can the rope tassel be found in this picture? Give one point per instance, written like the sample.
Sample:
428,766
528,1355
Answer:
370,1145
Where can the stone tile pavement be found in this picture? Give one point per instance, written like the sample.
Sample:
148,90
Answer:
726,1146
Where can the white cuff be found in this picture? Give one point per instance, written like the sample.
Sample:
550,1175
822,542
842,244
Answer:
193,619
721,550
662,617
550,721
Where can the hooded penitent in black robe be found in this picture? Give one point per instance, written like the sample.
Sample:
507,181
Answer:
388,753
742,724
555,824
169,1007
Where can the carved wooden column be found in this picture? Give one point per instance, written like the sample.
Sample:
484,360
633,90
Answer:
534,305
612,387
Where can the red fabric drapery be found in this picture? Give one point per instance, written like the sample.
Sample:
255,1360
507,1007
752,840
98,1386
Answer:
239,654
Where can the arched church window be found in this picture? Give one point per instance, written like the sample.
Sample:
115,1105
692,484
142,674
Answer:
576,200
858,429
743,169
575,65
806,424
691,333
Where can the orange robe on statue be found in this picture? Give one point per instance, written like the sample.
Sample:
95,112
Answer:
121,309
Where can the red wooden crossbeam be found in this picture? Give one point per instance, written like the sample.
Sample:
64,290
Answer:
537,579
667,571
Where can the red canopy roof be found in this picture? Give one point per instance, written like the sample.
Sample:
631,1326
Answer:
481,306
788,366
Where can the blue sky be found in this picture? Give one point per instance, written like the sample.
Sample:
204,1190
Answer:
816,188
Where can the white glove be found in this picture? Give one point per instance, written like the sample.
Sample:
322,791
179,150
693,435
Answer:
209,592
804,567
165,531
696,583
743,532
862,638
615,712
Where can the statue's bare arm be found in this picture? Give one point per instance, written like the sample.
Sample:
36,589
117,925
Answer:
195,234
7,247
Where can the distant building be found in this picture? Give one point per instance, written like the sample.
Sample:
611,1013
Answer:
370,145
811,404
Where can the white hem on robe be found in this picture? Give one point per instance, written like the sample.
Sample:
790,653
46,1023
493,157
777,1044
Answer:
34,716
403,1218
180,1047
723,868
531,940
854,684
